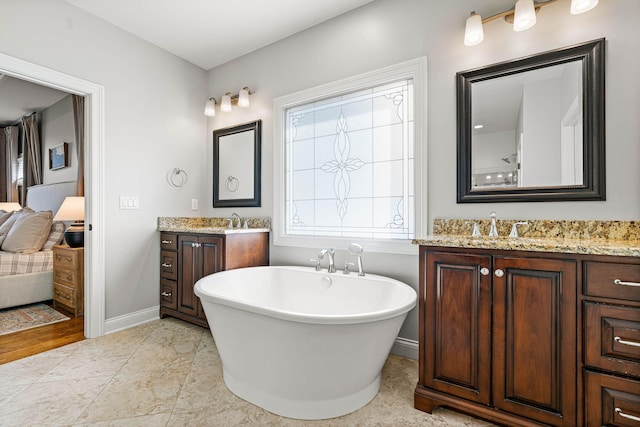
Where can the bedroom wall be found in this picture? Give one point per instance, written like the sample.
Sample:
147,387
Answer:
56,127
386,32
153,122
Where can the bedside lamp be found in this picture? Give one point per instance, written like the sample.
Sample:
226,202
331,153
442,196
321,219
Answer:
10,206
72,209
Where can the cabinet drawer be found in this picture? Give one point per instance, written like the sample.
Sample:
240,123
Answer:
168,242
168,297
169,265
612,338
65,259
611,280
64,295
611,401
66,277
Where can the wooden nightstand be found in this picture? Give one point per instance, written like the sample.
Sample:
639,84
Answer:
68,279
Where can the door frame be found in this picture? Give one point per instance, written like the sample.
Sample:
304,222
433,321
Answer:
94,158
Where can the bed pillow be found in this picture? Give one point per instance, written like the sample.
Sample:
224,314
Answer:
8,223
4,215
28,233
55,236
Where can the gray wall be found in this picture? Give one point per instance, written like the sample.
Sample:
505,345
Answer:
57,126
153,122
386,32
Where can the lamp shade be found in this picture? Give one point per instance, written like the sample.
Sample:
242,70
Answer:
582,6
72,209
525,15
473,33
243,98
225,104
10,206
210,108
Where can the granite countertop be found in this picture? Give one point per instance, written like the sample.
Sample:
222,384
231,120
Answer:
618,238
212,225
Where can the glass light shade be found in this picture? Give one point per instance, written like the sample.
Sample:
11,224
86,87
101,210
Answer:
582,6
525,15
473,33
72,209
243,98
10,206
210,108
225,104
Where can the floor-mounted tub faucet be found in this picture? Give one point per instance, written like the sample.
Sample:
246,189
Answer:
493,231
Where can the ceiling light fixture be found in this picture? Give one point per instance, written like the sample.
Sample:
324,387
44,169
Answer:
522,16
227,101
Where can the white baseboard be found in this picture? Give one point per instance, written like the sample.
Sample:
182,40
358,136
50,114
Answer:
132,319
405,348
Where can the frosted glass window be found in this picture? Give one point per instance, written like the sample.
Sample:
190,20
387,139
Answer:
349,164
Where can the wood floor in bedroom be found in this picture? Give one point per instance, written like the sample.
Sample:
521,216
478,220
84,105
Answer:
37,340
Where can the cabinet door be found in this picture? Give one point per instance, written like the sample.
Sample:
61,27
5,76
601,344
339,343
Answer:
534,338
189,272
211,249
457,324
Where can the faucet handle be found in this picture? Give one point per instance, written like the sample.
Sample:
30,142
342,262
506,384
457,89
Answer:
346,267
476,230
317,261
514,229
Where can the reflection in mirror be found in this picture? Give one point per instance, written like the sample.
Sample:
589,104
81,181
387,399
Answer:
527,129
533,128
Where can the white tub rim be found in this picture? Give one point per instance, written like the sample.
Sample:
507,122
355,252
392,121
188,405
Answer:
409,302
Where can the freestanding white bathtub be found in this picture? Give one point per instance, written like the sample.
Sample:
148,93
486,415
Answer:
301,343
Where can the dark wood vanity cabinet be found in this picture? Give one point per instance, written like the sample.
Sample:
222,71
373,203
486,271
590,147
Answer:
187,257
498,335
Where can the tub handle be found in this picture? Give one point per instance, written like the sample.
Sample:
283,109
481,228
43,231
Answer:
346,267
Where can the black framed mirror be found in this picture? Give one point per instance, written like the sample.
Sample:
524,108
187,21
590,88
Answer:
533,129
236,165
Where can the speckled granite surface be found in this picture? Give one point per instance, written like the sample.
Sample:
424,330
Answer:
619,238
212,225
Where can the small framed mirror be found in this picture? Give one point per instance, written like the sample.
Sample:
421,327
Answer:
533,129
236,166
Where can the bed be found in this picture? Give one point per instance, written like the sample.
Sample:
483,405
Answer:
28,278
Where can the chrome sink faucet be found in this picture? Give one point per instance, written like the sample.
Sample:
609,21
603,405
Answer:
493,231
232,217
330,252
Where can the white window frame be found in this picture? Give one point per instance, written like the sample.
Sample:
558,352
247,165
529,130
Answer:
415,69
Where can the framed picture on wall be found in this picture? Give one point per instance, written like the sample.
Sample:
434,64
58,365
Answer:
59,156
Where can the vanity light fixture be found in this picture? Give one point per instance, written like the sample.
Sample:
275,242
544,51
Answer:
522,16
227,101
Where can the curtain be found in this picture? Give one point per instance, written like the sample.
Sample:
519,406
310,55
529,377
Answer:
78,125
11,136
31,153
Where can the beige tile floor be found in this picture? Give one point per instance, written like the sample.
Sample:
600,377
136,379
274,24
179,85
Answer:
168,373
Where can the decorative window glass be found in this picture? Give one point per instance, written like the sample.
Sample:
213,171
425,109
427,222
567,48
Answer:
349,164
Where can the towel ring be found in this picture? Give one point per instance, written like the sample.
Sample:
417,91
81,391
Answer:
177,177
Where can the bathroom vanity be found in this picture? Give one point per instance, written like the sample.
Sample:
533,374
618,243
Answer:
191,248
534,330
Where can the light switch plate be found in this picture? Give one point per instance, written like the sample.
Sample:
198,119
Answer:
129,202
194,204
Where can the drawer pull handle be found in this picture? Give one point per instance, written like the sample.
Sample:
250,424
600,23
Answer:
625,342
165,265
165,294
630,417
621,283
167,242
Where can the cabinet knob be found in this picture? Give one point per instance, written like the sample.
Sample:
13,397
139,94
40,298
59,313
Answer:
484,271
499,273
166,294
